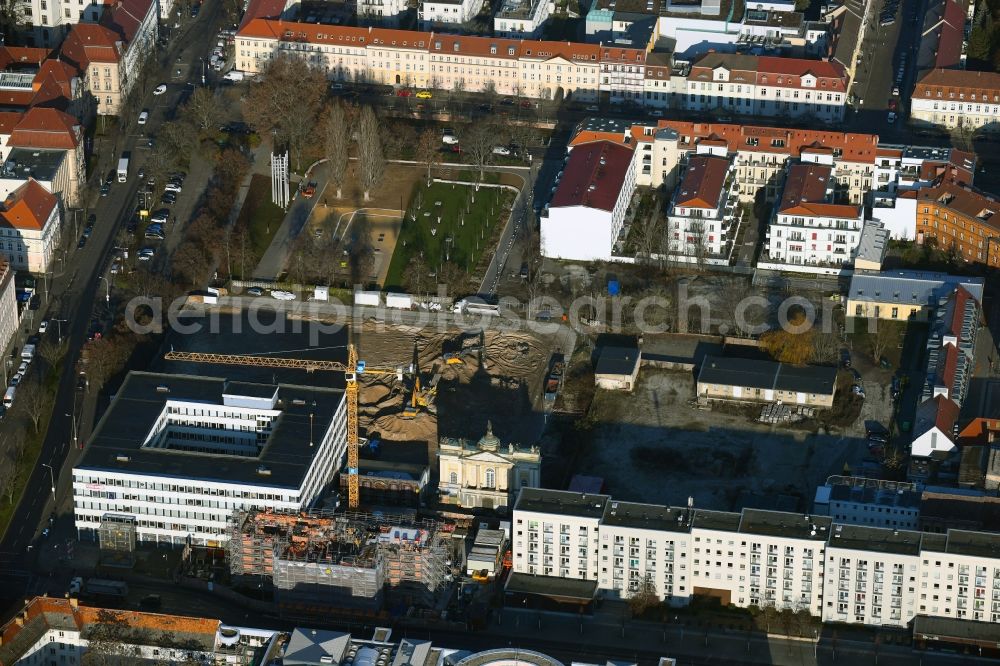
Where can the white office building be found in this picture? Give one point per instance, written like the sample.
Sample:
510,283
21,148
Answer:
844,573
175,455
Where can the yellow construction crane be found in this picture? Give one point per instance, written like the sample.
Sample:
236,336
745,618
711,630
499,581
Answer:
351,370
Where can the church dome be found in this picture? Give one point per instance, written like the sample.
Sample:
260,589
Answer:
489,441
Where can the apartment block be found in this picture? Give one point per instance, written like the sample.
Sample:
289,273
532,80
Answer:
586,214
704,214
852,574
953,98
767,86
174,456
960,219
854,500
760,154
807,228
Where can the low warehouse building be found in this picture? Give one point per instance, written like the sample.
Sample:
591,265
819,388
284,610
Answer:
723,378
617,368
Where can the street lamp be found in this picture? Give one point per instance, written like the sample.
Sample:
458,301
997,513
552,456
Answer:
72,418
59,323
52,478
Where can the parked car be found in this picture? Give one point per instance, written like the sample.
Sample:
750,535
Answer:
309,190
160,89
105,188
161,216
146,253
501,150
143,117
404,92
80,243
255,291
891,118
169,198
43,326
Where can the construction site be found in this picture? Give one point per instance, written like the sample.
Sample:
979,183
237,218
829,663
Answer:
367,562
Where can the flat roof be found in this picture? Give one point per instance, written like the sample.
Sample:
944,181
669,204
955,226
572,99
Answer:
116,445
936,628
551,586
975,544
791,525
563,502
724,521
875,539
38,163
647,516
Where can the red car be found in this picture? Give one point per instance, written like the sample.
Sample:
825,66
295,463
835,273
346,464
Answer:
525,104
455,148
892,105
404,92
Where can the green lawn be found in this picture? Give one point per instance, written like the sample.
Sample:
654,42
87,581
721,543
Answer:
463,234
260,217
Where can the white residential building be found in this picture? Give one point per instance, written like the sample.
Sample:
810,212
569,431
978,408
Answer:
842,573
8,306
382,12
176,455
854,500
585,216
521,18
953,98
30,227
807,229
704,213
447,12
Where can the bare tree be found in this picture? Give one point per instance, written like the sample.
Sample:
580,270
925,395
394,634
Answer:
478,144
646,233
203,110
644,598
371,159
32,401
881,338
429,150
696,243
52,351
417,275
452,275
336,144
286,99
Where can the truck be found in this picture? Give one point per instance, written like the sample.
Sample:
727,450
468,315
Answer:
233,76
103,587
8,397
28,353
475,306
123,168
399,301
373,298
554,380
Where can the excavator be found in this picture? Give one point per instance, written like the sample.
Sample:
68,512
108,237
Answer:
421,398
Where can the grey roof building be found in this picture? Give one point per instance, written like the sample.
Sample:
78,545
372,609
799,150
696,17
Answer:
729,378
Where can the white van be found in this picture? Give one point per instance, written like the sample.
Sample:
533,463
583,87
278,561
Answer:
8,397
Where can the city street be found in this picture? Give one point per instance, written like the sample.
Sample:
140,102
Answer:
78,290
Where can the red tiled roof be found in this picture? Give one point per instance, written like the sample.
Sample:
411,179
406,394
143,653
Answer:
952,25
952,83
262,9
949,367
8,119
21,55
703,181
125,16
60,72
28,207
46,128
963,200
571,51
784,72
961,300
980,431
622,55
408,39
805,193
594,176
474,46
853,147
590,136
89,42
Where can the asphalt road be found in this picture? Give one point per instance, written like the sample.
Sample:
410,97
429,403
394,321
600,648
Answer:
78,291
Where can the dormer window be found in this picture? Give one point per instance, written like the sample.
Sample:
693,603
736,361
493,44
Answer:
493,49
456,47
437,46
985,214
510,51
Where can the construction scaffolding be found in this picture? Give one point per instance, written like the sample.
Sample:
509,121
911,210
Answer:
357,560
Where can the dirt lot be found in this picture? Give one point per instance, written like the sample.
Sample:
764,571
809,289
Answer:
653,446
505,388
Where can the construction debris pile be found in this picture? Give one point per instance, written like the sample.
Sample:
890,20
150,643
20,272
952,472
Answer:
353,560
